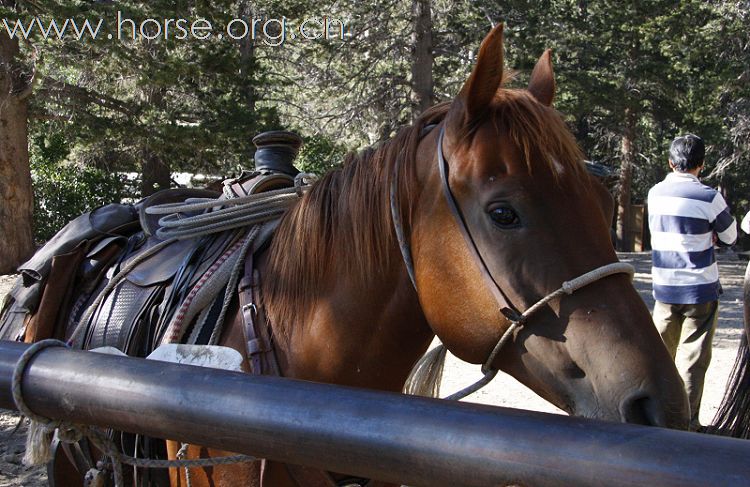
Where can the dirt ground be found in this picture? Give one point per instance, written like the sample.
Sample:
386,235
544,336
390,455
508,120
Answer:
503,391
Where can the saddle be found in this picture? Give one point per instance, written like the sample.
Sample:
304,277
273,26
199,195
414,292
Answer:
169,292
107,279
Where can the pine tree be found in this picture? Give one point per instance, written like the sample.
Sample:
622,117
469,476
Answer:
17,74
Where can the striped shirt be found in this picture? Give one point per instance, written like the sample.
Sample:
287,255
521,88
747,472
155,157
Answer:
683,216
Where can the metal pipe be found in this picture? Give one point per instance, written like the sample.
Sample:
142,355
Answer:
390,437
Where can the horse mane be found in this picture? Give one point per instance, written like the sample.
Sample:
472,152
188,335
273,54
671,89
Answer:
344,221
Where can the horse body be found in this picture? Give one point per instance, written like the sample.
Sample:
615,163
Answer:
343,309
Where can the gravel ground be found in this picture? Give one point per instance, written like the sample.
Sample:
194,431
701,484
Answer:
503,391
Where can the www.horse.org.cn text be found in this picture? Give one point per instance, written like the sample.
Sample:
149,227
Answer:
271,31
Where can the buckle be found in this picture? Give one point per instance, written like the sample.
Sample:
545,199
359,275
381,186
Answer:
513,315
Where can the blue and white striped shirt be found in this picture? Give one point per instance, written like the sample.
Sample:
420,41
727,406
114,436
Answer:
683,216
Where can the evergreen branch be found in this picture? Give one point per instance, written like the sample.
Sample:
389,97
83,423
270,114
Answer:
54,86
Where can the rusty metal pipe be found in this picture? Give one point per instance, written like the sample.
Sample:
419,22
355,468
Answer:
385,436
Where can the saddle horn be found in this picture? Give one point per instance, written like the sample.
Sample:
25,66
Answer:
276,151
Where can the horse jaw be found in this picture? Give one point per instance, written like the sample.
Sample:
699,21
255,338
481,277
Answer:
584,361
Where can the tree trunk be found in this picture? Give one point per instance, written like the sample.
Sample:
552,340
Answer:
422,61
155,173
727,189
247,62
16,194
628,153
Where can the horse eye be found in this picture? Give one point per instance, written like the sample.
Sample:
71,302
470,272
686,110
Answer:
505,217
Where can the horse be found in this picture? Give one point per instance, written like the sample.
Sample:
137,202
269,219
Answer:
479,210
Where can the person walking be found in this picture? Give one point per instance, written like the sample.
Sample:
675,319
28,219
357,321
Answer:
686,219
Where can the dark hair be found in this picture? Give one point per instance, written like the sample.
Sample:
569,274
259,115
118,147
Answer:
687,152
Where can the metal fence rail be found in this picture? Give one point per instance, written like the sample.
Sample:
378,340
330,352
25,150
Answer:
390,437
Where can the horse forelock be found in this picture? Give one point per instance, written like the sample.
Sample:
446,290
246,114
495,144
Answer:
343,222
540,134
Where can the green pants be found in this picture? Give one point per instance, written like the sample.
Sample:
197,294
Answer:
689,330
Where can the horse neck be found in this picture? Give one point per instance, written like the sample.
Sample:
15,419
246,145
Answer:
365,332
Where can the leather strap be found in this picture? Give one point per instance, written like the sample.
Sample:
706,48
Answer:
504,303
256,182
76,456
258,343
247,310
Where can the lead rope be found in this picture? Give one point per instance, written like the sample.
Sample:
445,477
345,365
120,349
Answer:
568,288
227,214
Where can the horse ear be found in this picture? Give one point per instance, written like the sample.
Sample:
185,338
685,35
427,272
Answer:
542,83
487,76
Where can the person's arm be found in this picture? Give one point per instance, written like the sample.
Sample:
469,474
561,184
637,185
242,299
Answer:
725,226
745,225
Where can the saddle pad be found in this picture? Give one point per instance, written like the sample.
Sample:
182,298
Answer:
212,356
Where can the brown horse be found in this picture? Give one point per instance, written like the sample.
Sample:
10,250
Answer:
344,310
337,286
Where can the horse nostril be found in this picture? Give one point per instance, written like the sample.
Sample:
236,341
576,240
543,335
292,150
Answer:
574,371
640,408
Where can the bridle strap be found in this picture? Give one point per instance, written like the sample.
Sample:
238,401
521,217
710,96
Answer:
568,287
504,303
398,227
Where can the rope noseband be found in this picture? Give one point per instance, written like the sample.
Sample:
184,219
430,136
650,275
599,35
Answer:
515,318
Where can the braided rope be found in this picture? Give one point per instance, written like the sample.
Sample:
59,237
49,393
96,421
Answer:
17,381
199,228
568,287
199,204
232,284
175,328
107,446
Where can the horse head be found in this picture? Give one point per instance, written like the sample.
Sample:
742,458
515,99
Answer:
536,219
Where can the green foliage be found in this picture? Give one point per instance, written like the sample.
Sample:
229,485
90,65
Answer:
64,191
49,150
190,104
195,105
320,154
